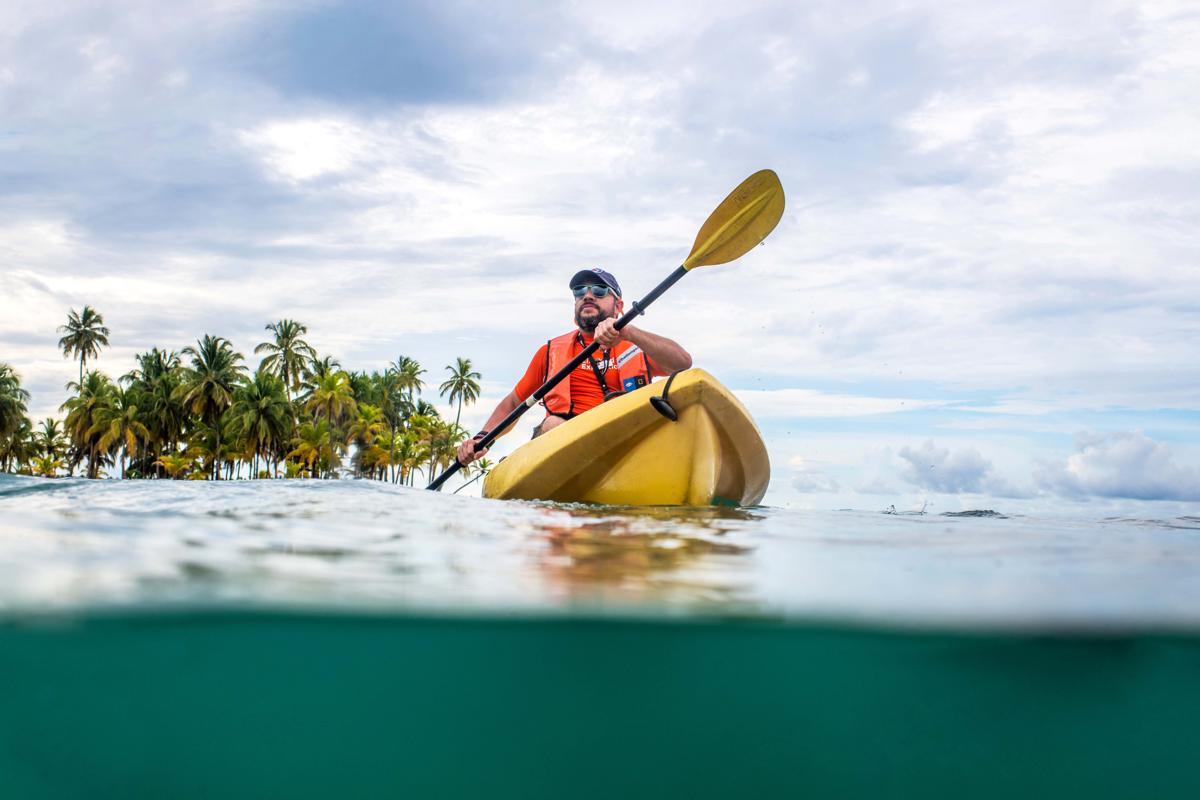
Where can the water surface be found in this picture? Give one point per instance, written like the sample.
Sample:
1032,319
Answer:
74,544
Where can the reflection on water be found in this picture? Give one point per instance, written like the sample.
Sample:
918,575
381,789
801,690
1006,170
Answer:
634,554
75,542
330,544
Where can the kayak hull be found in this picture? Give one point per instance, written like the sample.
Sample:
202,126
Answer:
627,453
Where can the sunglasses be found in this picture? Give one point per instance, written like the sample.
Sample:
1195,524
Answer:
597,291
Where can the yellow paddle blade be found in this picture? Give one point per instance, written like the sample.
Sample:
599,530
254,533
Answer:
741,222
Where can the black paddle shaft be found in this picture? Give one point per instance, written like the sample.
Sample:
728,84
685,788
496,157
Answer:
639,307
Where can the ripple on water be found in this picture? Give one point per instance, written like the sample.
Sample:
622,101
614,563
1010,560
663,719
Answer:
74,543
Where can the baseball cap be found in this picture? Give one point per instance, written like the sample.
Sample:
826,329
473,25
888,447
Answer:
586,276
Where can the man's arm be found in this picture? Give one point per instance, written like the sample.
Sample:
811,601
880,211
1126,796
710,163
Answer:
665,354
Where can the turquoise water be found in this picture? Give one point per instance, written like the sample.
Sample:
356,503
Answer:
309,639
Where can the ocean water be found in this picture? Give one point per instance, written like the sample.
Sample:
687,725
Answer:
352,638
88,545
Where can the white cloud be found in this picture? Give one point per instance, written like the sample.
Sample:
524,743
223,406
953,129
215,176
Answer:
300,150
998,204
1021,111
1123,464
939,469
809,478
814,482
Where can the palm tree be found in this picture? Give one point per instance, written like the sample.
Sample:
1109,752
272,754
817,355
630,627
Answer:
405,456
442,441
152,383
480,468
331,398
378,457
82,414
367,427
463,385
50,439
288,353
151,366
313,443
174,464
408,376
208,385
117,424
163,412
84,335
261,413
368,387
22,447
18,449
318,368
46,466
203,446
13,407
402,376
422,427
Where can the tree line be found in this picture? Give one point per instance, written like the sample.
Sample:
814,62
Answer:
201,414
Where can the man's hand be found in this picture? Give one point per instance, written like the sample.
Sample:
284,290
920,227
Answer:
467,452
607,334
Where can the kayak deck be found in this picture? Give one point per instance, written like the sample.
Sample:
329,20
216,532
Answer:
626,453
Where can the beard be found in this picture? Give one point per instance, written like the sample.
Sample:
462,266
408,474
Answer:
588,324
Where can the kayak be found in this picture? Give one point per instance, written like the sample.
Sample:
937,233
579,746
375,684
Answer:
629,451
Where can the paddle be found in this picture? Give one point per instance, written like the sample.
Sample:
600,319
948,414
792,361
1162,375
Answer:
743,220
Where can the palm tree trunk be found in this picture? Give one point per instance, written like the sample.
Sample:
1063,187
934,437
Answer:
329,474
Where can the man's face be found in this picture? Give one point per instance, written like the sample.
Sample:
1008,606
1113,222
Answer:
590,310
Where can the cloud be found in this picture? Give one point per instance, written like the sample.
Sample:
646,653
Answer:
1121,465
813,482
938,469
809,479
415,52
966,183
304,149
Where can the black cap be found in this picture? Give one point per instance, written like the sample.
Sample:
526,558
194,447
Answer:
586,276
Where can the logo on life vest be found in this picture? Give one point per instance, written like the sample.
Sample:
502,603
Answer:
628,354
633,382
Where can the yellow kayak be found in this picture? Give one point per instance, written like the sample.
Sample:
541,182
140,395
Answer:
627,452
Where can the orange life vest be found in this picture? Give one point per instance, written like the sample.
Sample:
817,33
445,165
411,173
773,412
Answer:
633,370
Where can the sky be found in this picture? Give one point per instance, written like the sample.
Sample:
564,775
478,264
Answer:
984,292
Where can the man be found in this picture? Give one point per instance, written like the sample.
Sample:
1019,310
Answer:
629,358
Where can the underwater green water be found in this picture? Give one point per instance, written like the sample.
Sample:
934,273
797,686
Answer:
266,704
